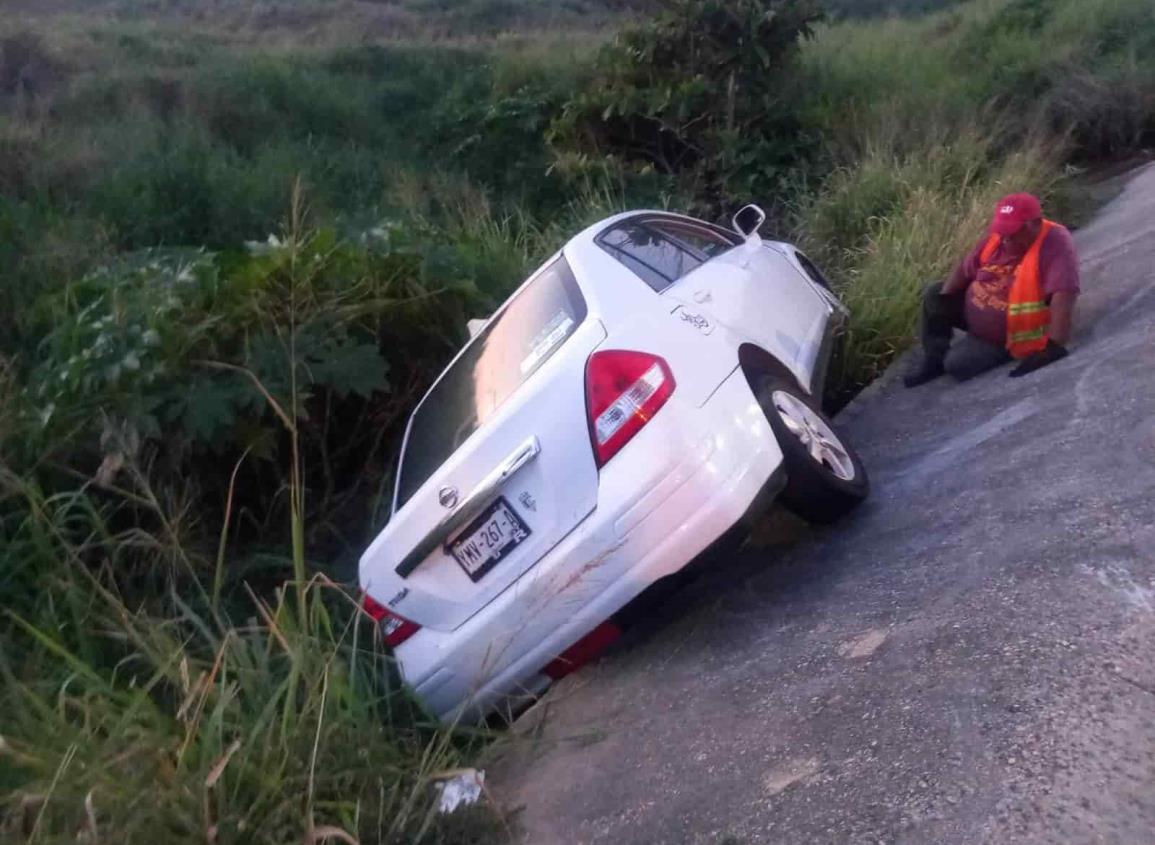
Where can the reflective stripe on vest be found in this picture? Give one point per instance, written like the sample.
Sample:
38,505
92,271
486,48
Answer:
1028,316
1029,334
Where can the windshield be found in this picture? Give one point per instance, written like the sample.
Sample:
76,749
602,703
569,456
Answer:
522,337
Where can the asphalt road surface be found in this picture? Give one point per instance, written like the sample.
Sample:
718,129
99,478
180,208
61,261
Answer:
969,658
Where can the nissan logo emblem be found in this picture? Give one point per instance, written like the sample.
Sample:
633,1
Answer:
447,496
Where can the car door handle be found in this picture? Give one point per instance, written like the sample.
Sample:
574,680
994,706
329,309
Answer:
471,505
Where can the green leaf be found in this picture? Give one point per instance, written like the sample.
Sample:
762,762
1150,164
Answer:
351,368
208,406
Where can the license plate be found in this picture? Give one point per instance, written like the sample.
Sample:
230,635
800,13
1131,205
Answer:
489,539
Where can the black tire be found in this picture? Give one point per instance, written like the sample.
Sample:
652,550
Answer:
814,490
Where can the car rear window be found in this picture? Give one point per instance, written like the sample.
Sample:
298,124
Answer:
511,348
660,251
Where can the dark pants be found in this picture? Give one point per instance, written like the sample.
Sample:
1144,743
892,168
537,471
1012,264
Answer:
941,315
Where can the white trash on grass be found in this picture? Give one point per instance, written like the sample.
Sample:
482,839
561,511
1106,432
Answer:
459,788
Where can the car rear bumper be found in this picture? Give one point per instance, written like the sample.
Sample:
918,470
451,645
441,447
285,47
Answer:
685,479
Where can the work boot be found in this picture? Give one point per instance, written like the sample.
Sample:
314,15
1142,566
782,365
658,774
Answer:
928,369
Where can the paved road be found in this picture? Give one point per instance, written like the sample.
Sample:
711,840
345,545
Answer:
970,658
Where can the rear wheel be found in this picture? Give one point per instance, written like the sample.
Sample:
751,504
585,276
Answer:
825,476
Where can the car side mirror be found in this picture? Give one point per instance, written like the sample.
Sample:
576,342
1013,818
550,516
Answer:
749,220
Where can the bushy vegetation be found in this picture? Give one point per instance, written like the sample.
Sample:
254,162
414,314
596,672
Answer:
703,93
878,8
230,269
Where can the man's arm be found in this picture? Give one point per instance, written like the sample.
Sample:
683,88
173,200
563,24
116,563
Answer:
1062,313
957,281
1062,310
963,274
1059,266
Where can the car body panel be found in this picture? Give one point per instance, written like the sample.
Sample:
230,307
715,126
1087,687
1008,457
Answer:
757,294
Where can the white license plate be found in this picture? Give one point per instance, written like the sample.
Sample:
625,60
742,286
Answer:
488,539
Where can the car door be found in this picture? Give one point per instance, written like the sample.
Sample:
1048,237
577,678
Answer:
753,289
714,276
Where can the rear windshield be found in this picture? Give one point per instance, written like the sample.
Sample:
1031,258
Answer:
509,350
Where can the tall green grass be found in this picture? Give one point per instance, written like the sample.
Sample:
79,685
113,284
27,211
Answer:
180,720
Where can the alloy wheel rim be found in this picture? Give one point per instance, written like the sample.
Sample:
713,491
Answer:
819,440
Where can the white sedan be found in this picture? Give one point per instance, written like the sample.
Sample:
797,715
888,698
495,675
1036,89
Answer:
648,389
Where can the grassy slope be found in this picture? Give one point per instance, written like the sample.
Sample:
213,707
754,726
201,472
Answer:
320,23
137,135
134,658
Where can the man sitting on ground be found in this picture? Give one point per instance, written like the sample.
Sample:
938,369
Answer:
1014,296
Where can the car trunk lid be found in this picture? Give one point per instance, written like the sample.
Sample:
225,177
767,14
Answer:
497,466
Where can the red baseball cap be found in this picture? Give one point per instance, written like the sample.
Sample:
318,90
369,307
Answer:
1013,211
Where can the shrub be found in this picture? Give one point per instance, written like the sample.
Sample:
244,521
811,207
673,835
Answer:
1106,116
501,140
183,355
701,92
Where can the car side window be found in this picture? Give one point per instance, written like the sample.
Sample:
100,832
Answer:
812,271
654,257
705,240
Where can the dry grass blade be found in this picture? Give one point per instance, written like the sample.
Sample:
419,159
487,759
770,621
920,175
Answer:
270,623
309,796
219,767
43,800
199,695
325,833
89,832
286,420
222,545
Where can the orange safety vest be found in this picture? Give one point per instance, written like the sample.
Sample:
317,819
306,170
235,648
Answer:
1028,316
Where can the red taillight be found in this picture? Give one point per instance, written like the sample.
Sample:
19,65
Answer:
394,629
623,392
583,651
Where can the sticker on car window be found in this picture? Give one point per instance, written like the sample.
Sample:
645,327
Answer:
555,331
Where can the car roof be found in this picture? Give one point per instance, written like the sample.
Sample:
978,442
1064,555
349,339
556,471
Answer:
586,240
587,235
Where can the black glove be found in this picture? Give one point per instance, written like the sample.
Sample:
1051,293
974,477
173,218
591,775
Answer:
1051,353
